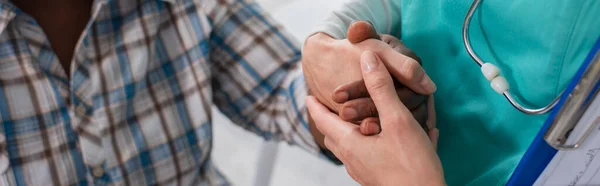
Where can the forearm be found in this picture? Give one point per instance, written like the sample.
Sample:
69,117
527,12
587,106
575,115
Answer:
258,85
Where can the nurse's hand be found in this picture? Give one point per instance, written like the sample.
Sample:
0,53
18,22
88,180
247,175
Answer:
401,154
357,106
328,63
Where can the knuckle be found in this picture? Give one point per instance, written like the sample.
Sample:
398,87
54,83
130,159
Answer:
318,43
411,69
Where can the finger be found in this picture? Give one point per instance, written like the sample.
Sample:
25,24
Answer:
326,122
360,31
399,46
434,135
358,109
410,98
431,115
408,71
370,126
420,114
361,108
406,51
381,88
350,91
357,90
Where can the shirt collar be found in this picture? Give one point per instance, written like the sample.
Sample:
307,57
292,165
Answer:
8,11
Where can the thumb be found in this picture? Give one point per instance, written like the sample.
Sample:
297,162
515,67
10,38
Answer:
380,85
360,31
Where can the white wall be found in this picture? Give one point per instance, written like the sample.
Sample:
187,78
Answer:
236,151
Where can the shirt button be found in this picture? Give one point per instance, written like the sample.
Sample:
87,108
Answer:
97,171
80,111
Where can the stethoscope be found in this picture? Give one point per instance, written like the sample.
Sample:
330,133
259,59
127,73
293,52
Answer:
492,73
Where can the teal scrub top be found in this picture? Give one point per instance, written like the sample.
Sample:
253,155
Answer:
537,44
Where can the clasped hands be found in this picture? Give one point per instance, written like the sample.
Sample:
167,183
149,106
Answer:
332,71
370,121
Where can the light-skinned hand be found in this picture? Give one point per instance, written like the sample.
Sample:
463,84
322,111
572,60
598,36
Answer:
332,71
402,154
357,106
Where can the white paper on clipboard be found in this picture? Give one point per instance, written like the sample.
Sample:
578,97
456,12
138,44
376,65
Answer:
582,165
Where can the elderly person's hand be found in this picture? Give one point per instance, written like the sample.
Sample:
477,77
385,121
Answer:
401,154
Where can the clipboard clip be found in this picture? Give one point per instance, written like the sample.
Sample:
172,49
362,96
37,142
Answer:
575,105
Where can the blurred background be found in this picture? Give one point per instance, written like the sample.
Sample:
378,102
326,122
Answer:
246,159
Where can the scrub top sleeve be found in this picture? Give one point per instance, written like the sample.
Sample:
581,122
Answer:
384,14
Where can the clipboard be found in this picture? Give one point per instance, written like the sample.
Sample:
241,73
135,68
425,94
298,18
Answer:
553,135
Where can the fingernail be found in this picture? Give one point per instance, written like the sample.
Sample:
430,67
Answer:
368,61
349,113
428,84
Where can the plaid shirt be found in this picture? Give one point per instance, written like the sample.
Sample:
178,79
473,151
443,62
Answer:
136,108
